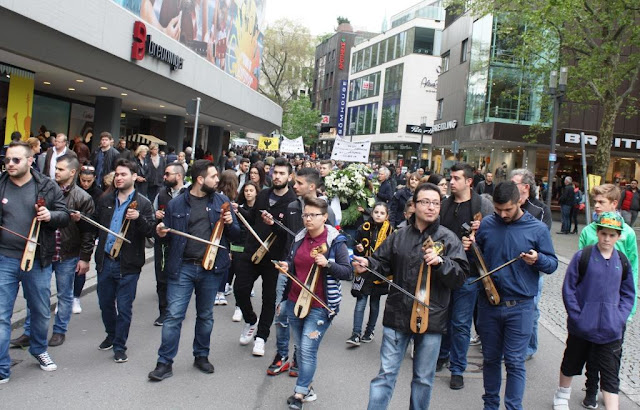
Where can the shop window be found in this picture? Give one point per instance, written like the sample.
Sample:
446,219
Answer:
464,49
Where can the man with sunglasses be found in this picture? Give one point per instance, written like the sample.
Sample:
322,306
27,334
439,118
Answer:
20,190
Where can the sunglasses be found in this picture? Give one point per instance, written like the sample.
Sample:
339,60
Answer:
15,160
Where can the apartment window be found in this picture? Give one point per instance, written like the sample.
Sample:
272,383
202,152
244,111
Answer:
440,108
464,50
445,62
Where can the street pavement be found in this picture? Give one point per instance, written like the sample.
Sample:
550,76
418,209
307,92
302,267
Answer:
89,377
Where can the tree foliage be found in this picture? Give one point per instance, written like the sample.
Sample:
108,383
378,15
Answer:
597,39
341,20
287,61
301,120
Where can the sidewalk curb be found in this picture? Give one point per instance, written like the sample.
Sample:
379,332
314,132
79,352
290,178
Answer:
18,317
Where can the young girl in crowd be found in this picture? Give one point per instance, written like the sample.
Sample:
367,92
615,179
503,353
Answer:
228,186
369,237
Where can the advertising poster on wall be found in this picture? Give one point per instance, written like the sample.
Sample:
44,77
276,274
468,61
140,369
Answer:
19,107
228,33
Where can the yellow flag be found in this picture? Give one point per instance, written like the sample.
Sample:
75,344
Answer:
594,180
269,143
19,107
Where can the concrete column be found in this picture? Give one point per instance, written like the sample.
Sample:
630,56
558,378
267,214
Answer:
529,160
214,141
106,118
174,132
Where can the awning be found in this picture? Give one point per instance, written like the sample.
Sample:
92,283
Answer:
145,139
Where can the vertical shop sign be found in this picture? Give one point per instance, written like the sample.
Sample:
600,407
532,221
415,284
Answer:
342,107
19,107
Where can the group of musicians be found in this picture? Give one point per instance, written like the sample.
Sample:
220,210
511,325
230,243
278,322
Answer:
433,262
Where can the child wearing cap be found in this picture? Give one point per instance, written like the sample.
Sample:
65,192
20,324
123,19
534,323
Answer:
598,295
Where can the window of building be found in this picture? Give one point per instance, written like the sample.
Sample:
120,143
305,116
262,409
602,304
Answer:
354,62
393,79
390,115
464,49
424,40
366,62
440,108
362,119
374,54
391,98
364,87
445,63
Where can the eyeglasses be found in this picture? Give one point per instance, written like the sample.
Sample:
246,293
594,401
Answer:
309,216
427,203
15,160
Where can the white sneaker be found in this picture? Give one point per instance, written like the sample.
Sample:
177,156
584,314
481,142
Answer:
247,333
45,362
76,308
228,289
258,347
311,396
217,301
222,300
237,315
253,293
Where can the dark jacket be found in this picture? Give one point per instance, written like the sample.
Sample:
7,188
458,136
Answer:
78,238
54,202
155,176
177,217
340,268
293,218
599,304
385,193
401,256
143,171
94,192
484,188
539,210
108,164
278,210
478,204
132,256
396,206
567,196
48,157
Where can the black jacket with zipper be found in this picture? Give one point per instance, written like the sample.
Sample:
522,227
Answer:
78,238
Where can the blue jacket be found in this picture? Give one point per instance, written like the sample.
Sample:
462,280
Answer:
501,242
177,217
600,304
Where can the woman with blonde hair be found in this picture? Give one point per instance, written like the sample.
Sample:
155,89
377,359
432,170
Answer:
34,144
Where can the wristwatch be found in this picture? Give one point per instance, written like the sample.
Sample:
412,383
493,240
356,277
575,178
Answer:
329,265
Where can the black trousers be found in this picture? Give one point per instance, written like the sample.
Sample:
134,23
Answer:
159,250
246,275
592,369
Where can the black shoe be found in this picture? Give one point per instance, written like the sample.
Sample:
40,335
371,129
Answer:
367,337
56,339
279,365
441,363
457,382
590,401
161,372
120,357
295,402
203,364
354,340
561,233
107,344
160,320
21,341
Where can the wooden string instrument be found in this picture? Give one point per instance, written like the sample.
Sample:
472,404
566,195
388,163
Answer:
209,258
115,250
302,286
303,304
419,314
29,254
262,250
487,282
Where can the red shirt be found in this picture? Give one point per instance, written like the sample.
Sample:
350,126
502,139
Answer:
303,262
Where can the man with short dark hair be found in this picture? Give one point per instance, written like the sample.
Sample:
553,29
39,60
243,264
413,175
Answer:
118,275
124,152
243,172
630,203
505,329
104,158
22,189
486,185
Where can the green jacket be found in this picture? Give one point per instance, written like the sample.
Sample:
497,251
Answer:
626,244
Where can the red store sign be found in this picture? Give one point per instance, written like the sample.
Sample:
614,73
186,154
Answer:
143,44
343,50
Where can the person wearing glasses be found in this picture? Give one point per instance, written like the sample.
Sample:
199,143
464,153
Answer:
460,208
173,186
397,257
21,189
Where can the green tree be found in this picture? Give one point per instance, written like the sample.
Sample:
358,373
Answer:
597,39
287,61
341,20
301,120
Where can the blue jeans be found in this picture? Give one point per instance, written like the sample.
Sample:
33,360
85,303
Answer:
307,335
533,341
191,278
37,291
114,287
65,276
282,329
463,302
392,351
504,330
358,313
566,218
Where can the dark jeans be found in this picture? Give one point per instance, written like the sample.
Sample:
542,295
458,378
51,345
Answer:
78,285
159,250
114,287
204,283
358,313
566,218
246,275
574,218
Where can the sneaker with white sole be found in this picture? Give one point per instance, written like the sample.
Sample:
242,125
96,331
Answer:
258,347
228,289
222,300
45,361
247,333
217,300
309,397
237,315
4,380
76,308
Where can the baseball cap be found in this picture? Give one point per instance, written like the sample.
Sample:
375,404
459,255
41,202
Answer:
610,220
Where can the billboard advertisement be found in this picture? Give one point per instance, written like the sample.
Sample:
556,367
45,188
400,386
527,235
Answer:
228,33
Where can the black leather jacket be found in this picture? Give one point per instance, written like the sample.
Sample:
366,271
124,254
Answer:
54,202
78,238
401,256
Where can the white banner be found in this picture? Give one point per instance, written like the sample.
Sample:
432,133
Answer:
357,151
292,146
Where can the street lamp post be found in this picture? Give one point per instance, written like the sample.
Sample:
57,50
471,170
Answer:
557,90
423,127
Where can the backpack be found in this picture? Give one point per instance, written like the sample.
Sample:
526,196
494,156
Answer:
584,263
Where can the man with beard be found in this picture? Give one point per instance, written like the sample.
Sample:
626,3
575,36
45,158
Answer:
195,212
21,189
274,201
173,186
118,277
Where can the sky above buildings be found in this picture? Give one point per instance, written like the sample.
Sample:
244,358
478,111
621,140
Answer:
320,16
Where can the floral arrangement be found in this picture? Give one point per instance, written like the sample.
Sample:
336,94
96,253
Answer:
352,186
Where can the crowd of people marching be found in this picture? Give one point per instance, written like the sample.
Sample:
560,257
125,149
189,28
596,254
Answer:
451,255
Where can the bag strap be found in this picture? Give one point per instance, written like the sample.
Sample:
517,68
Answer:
584,263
